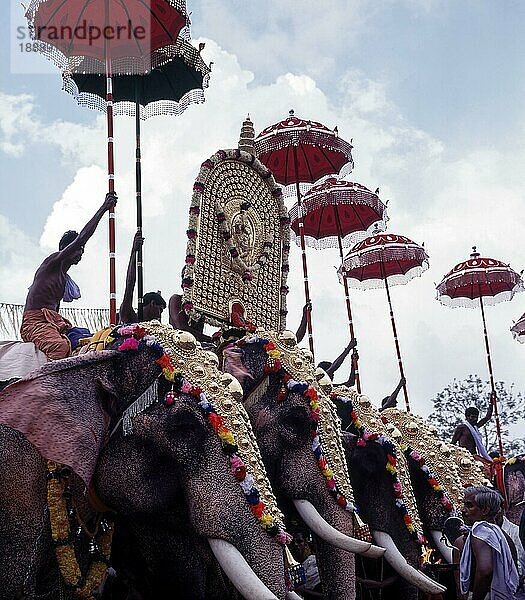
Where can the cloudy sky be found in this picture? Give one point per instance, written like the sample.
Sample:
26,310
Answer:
431,91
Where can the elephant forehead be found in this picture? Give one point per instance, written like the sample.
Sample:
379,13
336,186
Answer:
301,368
195,364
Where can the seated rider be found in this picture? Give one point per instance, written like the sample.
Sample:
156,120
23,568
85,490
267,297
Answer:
180,320
467,434
152,303
41,323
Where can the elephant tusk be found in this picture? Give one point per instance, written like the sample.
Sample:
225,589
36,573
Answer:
331,535
446,552
400,564
239,571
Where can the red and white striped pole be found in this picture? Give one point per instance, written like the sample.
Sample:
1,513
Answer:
111,177
303,253
394,331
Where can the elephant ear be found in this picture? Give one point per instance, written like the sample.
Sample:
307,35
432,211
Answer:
62,409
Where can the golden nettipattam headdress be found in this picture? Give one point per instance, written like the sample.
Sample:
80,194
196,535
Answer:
297,362
469,469
370,418
423,437
238,243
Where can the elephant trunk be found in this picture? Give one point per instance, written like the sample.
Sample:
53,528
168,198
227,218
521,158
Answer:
408,572
331,535
336,566
239,571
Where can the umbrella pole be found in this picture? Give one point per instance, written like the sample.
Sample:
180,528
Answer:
355,361
138,193
111,179
303,253
394,331
494,398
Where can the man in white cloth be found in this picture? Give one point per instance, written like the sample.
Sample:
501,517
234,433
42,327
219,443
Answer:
513,531
486,568
467,434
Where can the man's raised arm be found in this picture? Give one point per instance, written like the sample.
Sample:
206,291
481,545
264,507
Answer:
126,312
488,416
350,382
301,331
89,229
340,359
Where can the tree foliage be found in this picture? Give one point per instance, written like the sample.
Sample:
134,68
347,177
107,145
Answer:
450,405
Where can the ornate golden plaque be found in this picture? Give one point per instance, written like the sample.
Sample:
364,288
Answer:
238,243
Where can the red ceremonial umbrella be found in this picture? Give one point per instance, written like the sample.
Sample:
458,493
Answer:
385,259
335,213
108,37
297,152
518,329
479,282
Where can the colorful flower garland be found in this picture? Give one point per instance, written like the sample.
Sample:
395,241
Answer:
274,365
365,436
61,516
139,337
434,484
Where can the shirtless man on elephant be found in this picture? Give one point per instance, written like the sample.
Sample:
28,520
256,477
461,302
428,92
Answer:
41,323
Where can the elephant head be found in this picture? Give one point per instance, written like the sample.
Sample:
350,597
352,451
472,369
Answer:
380,476
190,463
433,474
514,479
299,436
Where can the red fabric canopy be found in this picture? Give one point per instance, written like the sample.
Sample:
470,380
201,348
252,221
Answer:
383,255
338,208
477,277
136,29
319,150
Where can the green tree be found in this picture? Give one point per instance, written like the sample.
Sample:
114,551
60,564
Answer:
450,405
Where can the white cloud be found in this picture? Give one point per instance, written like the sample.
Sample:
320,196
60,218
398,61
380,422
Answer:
18,256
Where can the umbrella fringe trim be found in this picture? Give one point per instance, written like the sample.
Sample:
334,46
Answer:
152,109
369,256
123,65
375,284
331,241
463,302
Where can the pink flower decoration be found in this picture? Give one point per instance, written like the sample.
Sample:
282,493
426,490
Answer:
236,463
361,442
330,484
283,538
129,344
128,330
186,387
397,488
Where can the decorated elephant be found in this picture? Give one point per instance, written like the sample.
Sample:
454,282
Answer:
190,461
299,436
433,471
514,481
381,478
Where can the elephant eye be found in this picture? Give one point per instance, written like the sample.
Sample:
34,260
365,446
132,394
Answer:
185,422
296,420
